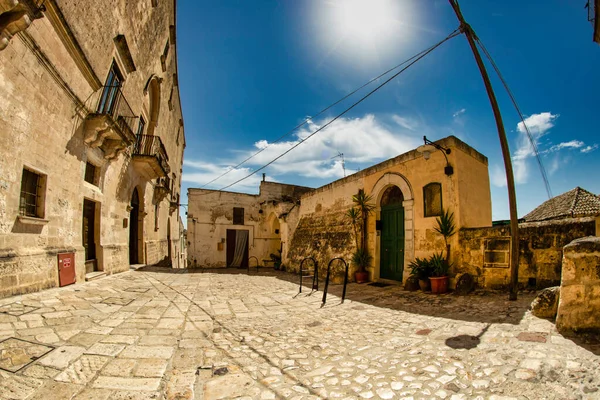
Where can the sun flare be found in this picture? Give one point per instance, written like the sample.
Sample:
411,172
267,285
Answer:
362,29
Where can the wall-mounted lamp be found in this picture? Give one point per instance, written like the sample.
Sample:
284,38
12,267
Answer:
429,147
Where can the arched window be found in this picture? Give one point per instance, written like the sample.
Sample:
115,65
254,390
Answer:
392,196
432,199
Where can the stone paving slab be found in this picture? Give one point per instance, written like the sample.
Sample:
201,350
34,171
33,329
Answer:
225,334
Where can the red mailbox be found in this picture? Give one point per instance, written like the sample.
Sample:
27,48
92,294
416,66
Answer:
66,269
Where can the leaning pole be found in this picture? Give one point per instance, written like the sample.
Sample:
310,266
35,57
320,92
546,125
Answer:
510,180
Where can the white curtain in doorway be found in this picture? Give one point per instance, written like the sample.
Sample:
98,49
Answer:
241,238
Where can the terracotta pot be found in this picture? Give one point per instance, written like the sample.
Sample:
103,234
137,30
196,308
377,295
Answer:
439,284
361,277
424,284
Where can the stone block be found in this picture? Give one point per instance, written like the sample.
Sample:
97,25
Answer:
545,305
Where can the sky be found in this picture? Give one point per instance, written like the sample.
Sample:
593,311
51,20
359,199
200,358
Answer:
251,71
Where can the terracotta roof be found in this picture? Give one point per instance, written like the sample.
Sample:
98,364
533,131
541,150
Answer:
574,203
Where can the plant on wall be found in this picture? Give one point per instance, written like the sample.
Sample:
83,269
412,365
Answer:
358,215
441,265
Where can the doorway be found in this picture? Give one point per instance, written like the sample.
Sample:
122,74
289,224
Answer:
392,234
237,248
169,250
134,215
88,235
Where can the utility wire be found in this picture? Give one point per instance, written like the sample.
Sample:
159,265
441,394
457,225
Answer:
514,101
422,54
308,119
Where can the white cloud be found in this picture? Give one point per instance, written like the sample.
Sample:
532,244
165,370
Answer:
589,149
573,144
361,140
498,177
459,112
405,122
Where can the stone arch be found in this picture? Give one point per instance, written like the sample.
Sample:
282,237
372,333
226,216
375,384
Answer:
387,180
274,232
136,225
152,89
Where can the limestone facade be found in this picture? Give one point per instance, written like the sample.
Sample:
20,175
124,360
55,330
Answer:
266,220
92,142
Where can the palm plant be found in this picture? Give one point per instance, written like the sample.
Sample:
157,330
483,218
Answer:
354,215
362,202
358,215
446,227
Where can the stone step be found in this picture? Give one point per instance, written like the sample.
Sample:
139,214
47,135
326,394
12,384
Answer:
94,275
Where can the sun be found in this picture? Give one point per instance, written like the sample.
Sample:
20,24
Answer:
362,29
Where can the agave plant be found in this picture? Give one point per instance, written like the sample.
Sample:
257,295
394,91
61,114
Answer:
421,268
439,265
362,202
361,258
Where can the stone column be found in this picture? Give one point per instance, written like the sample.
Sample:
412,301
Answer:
579,305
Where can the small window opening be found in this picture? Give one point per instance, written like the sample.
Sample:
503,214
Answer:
91,174
238,216
31,202
432,198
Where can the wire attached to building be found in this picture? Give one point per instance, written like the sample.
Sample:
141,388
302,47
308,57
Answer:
418,57
514,101
308,119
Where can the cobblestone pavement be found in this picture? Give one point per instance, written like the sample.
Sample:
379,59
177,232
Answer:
154,334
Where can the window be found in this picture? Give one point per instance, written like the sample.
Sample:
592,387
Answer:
432,199
163,57
141,126
32,194
238,216
91,174
156,216
108,101
171,100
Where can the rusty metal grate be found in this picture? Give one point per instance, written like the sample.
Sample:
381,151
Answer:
16,354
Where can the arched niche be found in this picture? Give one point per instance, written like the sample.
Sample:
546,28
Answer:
152,90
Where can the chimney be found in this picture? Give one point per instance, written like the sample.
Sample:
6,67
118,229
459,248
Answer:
264,175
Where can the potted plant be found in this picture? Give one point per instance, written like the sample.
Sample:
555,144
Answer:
358,215
421,269
361,259
441,265
439,275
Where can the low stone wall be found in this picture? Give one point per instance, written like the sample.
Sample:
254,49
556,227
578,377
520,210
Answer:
323,236
579,304
35,270
485,252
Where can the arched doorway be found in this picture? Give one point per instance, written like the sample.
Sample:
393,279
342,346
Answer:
392,234
134,216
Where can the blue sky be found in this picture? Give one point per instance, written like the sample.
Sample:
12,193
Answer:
252,70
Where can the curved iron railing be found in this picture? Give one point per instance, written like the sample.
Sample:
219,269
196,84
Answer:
327,279
257,264
315,276
152,146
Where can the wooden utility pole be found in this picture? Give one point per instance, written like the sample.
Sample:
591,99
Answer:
510,180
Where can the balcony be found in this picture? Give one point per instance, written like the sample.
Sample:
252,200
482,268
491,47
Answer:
110,126
150,158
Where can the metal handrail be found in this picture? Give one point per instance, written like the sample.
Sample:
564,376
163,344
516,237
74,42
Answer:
257,264
109,100
315,283
150,145
327,280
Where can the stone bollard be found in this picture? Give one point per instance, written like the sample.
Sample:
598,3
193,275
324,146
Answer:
579,304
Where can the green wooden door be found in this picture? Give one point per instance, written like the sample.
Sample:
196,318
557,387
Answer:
392,242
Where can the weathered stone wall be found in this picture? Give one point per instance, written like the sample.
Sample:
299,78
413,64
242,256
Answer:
45,94
485,252
579,304
324,235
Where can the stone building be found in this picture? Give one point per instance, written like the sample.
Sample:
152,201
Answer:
227,228
91,138
408,191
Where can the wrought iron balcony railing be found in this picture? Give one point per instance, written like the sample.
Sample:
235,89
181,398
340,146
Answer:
111,101
150,146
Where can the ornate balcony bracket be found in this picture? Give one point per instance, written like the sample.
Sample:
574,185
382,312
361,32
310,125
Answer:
100,130
160,193
173,205
15,17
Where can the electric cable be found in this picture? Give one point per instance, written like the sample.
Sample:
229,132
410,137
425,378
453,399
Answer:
422,55
515,104
308,119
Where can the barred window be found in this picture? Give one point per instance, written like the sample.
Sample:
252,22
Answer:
31,203
432,199
238,216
